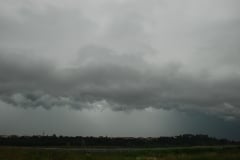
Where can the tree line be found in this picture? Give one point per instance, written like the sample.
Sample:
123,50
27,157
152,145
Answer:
82,142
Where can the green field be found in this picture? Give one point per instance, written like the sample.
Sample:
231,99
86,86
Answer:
191,153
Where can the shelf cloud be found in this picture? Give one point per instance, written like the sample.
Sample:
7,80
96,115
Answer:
122,55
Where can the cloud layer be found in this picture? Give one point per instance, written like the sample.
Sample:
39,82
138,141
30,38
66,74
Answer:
122,55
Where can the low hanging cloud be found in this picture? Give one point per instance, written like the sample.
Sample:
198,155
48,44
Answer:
121,55
100,79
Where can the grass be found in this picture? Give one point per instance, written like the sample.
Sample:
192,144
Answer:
192,153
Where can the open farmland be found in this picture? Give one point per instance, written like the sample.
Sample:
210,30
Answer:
186,153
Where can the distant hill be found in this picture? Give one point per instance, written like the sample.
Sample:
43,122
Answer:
82,142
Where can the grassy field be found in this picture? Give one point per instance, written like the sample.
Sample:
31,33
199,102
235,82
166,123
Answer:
192,153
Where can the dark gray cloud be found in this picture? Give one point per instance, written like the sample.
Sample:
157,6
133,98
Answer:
122,55
102,79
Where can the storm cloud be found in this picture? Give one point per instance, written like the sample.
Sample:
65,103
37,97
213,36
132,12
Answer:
122,55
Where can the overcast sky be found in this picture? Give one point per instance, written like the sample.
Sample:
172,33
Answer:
120,67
